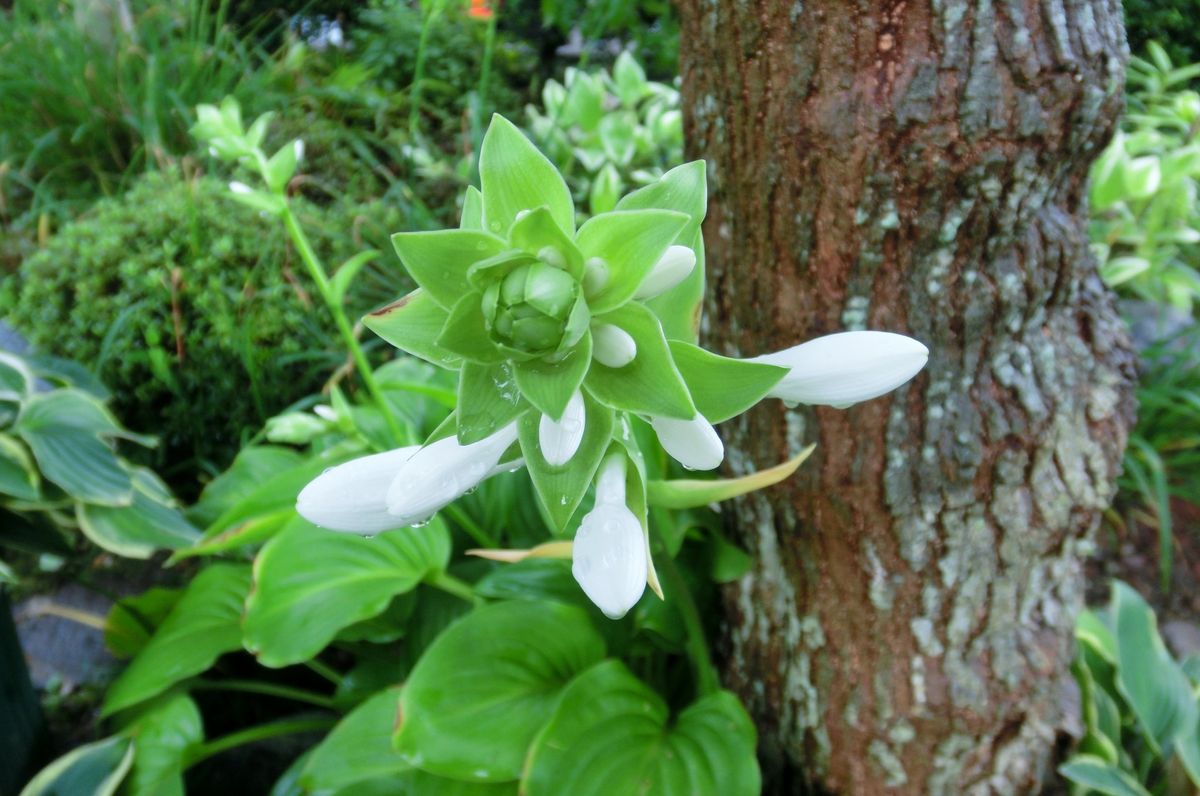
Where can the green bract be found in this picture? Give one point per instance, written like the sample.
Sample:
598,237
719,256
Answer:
532,311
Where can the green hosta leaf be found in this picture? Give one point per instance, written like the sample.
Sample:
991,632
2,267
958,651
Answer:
472,212
550,385
202,626
358,748
151,522
310,583
131,621
612,734
1142,176
488,400
515,176
487,685
162,736
562,488
18,474
95,769
64,429
253,465
1090,629
533,579
466,336
1152,683
630,243
413,324
1100,776
296,428
1187,746
439,260
16,377
630,79
585,100
723,387
650,384
537,230
605,191
693,493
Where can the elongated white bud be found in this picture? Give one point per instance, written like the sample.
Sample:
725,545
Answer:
240,187
560,439
609,554
693,443
444,471
352,497
612,345
843,369
671,269
298,149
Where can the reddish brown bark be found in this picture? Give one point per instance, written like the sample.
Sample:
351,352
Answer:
916,167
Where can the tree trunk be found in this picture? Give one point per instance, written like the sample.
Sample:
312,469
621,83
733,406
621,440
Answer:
921,168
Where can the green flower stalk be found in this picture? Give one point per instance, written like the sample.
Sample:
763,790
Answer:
561,338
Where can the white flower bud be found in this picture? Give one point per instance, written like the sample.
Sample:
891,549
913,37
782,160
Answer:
560,439
693,443
671,269
612,346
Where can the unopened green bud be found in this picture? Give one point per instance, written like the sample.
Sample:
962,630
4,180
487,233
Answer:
530,309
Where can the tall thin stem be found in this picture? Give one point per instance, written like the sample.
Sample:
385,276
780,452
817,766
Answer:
696,644
259,732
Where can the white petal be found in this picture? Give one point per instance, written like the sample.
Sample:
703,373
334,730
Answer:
240,187
442,472
352,496
843,369
298,149
693,443
560,439
671,269
609,559
612,346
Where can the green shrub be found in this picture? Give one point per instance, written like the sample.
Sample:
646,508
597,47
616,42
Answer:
1172,22
191,308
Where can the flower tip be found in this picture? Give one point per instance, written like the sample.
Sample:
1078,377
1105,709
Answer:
693,443
671,269
846,368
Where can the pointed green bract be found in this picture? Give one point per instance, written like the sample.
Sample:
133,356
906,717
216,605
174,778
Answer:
550,385
612,734
537,233
472,212
723,387
487,685
515,176
488,400
438,261
413,324
630,243
693,493
562,488
650,384
465,334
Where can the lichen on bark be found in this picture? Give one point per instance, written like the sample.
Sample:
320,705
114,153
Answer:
916,167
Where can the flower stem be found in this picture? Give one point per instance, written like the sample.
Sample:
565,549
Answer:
259,732
472,528
266,689
324,670
707,681
317,273
452,585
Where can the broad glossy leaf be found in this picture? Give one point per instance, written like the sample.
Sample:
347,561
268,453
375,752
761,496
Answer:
1152,683
132,620
550,385
630,242
95,769
151,522
162,736
562,488
253,465
650,384
488,400
359,747
202,626
465,334
486,686
1101,776
687,493
413,324
310,583
611,734
18,474
438,260
515,176
533,579
723,387
536,230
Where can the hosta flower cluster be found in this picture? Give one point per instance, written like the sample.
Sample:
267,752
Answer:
563,337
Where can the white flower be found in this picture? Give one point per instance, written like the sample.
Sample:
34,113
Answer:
444,471
609,558
612,346
559,439
693,443
240,188
843,369
671,269
352,497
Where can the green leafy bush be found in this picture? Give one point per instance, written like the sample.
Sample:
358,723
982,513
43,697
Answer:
1145,212
190,307
1140,708
1172,22
59,470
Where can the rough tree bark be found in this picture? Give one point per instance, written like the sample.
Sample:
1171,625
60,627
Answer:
916,167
